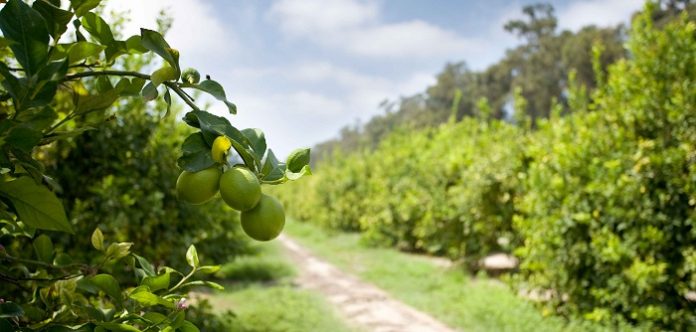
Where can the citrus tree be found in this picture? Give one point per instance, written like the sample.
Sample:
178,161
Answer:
56,85
597,203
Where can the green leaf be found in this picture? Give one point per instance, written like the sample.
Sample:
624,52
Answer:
37,119
97,27
107,284
213,126
118,250
209,269
276,175
134,44
98,239
168,100
209,284
163,74
196,154
61,135
270,163
56,19
10,309
81,7
5,325
62,259
118,327
4,42
149,299
37,206
116,48
216,90
187,326
130,87
290,175
257,141
16,88
153,41
23,138
94,313
54,71
157,282
43,246
97,102
26,29
83,50
146,265
146,298
177,321
155,317
192,256
104,84
43,94
78,33
297,160
149,92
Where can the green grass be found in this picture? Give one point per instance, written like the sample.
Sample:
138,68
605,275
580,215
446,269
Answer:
267,265
448,294
260,295
277,308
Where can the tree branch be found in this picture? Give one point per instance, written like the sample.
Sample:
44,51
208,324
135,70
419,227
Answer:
172,85
105,73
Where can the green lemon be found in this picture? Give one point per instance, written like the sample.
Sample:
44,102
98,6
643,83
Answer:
191,76
240,188
198,187
265,221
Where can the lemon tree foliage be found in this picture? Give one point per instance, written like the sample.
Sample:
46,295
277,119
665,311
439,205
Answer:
599,204
53,88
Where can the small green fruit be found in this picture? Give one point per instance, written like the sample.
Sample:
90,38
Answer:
198,187
240,188
265,221
191,76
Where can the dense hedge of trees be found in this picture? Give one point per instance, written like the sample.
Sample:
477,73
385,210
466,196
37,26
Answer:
598,200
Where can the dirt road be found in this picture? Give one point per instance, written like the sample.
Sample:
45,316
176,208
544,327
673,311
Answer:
364,305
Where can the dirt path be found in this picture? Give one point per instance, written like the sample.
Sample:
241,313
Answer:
363,304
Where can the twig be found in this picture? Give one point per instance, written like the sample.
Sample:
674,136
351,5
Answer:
65,277
182,95
172,85
105,73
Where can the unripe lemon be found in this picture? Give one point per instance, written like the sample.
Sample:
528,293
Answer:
265,221
240,188
198,187
220,146
190,75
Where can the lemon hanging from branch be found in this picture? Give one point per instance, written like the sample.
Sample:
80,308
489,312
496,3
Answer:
221,146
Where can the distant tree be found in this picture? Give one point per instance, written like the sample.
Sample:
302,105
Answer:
540,23
539,68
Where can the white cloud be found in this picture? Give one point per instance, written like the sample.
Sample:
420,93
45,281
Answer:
314,16
195,31
597,12
353,26
406,39
292,108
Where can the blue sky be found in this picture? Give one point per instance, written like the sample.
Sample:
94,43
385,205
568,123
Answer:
302,69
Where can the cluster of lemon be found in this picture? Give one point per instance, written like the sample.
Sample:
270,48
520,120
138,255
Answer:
262,216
